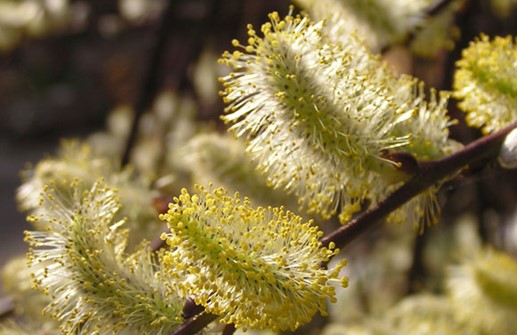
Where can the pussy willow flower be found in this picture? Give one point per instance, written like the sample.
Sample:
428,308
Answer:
378,22
502,9
437,32
79,261
321,116
77,161
422,314
21,19
484,293
220,159
17,282
255,267
486,82
170,124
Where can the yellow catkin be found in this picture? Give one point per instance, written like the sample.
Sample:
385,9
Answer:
255,267
321,117
486,82
80,262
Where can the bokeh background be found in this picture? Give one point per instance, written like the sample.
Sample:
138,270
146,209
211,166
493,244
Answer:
64,65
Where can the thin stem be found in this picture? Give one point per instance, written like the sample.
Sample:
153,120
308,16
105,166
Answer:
161,205
430,173
194,324
191,309
416,272
187,52
158,243
229,329
437,7
151,80
193,45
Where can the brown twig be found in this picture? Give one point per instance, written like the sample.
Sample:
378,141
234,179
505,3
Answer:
158,243
186,52
430,173
151,80
437,7
191,309
416,272
190,50
229,329
194,324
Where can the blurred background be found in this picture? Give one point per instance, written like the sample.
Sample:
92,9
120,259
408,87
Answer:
64,65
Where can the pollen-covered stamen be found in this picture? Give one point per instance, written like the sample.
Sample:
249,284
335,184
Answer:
80,261
483,292
321,116
486,82
255,267
311,119
377,22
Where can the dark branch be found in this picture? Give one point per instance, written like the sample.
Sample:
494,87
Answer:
430,173
437,7
229,329
191,309
158,243
151,81
194,324
416,272
190,50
